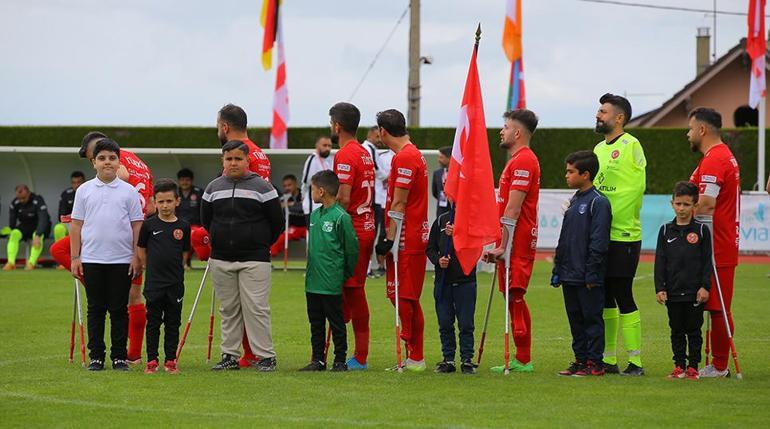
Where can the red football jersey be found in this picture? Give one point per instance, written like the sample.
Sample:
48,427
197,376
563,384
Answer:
139,176
409,171
258,162
354,166
718,175
522,173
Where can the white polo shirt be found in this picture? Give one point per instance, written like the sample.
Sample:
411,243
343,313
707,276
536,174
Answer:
107,210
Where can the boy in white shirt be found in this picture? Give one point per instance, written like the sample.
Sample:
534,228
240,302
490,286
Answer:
106,218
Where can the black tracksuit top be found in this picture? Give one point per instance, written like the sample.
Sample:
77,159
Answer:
683,260
438,242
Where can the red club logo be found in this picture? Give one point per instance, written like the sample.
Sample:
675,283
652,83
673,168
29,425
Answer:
193,197
692,238
178,234
615,154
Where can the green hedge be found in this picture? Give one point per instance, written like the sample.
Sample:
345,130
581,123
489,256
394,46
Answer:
668,154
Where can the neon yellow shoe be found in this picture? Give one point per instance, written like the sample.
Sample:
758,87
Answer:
515,366
415,366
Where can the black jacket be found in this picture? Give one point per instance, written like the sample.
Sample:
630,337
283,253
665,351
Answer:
683,260
66,201
437,246
190,206
581,255
30,217
243,218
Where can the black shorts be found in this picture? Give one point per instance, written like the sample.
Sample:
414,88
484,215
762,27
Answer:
623,258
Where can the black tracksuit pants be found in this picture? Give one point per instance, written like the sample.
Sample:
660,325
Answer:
685,321
455,302
321,308
164,306
107,287
584,310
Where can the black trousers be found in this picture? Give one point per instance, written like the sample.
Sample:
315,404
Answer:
164,307
622,261
321,308
455,302
685,321
107,287
584,311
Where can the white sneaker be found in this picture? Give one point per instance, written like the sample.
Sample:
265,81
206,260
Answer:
710,371
414,365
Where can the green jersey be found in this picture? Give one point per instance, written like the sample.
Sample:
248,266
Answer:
332,250
622,180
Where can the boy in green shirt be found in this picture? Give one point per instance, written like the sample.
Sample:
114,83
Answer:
332,257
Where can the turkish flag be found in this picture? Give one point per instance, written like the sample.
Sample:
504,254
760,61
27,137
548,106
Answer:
470,184
756,47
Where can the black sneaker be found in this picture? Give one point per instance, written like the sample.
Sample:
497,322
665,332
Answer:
315,365
611,369
228,363
468,367
339,367
96,365
573,368
119,365
632,370
266,365
445,367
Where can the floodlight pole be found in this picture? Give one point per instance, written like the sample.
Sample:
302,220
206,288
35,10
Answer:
413,89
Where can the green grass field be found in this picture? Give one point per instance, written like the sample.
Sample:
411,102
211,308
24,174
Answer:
39,388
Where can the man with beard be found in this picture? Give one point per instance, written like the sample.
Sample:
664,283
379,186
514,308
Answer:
622,180
355,169
232,125
321,159
719,182
519,191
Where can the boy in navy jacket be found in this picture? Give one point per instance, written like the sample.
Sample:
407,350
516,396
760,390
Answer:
683,278
580,263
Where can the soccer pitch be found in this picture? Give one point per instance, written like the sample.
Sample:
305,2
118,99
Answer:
39,388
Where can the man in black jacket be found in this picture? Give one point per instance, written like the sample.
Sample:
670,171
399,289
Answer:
28,220
243,215
683,278
439,177
580,263
455,294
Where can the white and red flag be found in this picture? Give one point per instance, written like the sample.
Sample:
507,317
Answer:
756,47
470,185
279,130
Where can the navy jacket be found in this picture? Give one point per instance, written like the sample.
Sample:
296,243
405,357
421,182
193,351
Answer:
581,255
683,260
438,243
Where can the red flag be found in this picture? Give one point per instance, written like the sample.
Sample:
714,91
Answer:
278,132
268,18
470,184
756,47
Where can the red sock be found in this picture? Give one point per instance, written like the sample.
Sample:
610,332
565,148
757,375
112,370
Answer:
720,343
356,309
277,247
247,353
521,323
418,330
137,320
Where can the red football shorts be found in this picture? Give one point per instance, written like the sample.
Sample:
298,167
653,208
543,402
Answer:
365,246
411,275
521,271
726,277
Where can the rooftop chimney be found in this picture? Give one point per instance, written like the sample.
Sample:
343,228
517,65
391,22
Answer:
702,49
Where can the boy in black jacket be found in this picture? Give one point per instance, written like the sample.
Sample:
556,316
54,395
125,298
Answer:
683,278
455,295
580,263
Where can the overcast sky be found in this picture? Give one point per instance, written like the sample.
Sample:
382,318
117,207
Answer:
175,62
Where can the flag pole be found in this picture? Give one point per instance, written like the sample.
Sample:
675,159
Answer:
478,38
761,144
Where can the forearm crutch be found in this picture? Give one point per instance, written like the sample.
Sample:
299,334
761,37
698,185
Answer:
192,313
80,323
486,317
211,326
509,225
398,218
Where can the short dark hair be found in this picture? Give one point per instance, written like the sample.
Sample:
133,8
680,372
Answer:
166,185
77,173
21,186
584,160
708,116
235,144
526,117
108,145
88,138
620,102
393,121
234,116
445,150
185,172
347,115
374,128
685,188
289,177
327,180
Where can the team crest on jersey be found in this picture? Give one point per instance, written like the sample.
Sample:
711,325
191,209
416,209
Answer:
328,226
206,240
343,167
615,154
582,208
178,234
692,238
193,197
